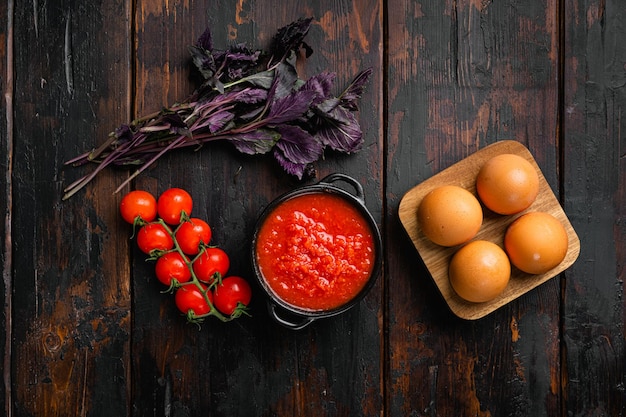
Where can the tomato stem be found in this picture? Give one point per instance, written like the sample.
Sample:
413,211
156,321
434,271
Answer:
191,316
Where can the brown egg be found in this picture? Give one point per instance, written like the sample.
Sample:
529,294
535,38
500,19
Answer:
479,271
450,215
507,184
536,242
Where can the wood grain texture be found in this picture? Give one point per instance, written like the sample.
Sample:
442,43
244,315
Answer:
594,188
437,258
71,309
6,161
85,328
457,83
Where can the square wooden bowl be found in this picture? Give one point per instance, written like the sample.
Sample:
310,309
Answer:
436,258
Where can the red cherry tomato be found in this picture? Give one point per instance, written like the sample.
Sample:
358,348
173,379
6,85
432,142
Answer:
171,265
230,293
172,203
211,262
189,297
191,234
154,236
138,204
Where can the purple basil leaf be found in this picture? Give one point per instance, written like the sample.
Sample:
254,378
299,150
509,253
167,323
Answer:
233,95
235,73
251,95
290,38
205,41
242,55
283,81
288,80
293,168
214,122
263,79
325,114
290,108
258,141
326,107
239,62
219,57
297,145
322,84
355,90
204,61
341,136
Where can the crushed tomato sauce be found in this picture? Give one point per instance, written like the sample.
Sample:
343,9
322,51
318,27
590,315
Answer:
315,251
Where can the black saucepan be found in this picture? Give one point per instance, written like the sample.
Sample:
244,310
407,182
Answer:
294,317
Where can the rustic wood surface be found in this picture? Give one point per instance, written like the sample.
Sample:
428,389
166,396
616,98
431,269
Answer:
85,330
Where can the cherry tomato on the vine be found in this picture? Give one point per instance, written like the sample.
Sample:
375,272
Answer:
172,203
211,261
138,204
191,234
171,265
154,236
230,293
189,297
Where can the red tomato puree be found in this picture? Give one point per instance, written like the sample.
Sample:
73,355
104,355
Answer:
315,251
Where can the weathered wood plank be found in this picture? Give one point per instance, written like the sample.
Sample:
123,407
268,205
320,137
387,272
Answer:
594,172
253,366
462,75
6,144
71,299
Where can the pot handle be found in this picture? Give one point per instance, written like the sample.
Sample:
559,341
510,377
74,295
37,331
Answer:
358,188
305,321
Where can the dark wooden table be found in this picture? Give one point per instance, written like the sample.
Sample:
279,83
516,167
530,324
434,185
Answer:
86,331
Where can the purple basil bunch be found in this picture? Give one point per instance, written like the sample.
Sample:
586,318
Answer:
254,100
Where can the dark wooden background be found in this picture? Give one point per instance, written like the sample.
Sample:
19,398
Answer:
84,328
